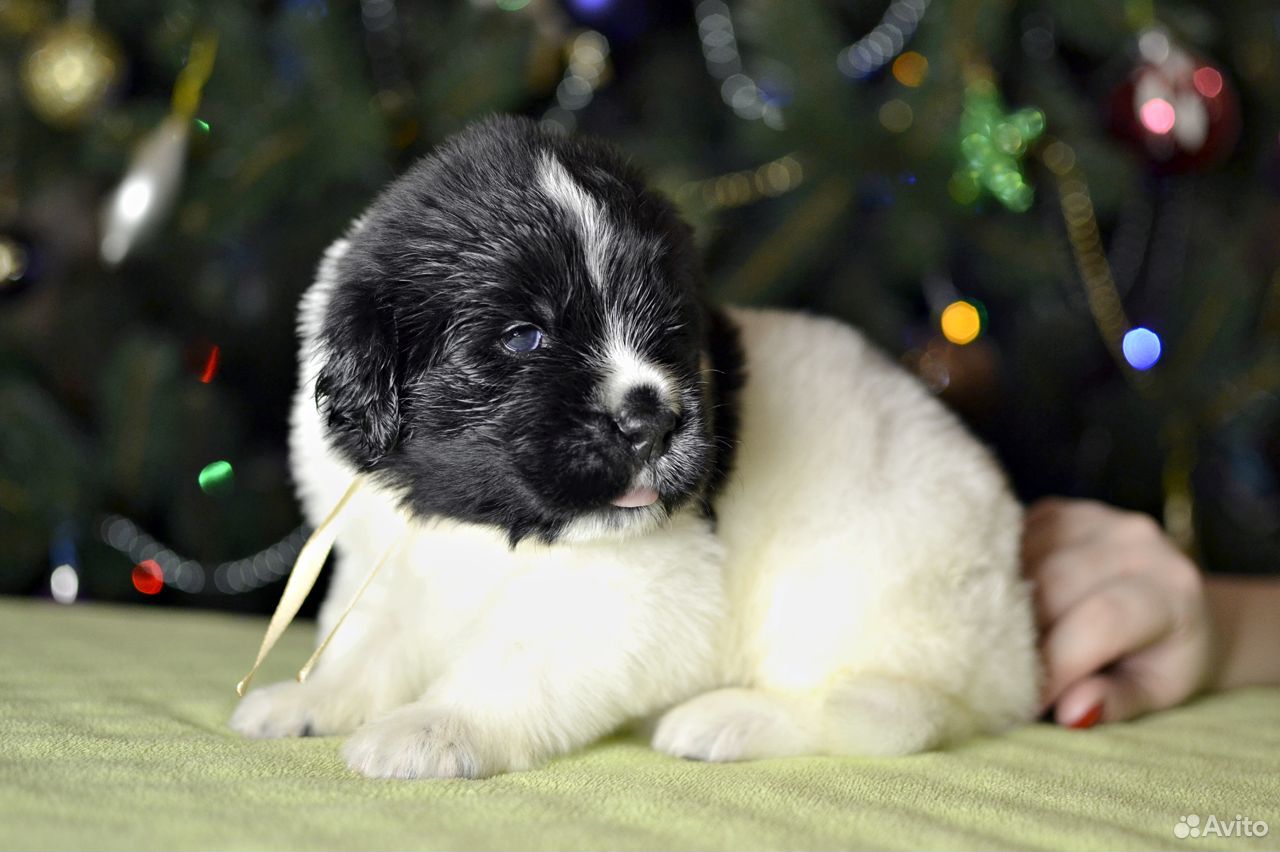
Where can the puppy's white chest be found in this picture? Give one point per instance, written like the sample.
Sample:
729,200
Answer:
458,591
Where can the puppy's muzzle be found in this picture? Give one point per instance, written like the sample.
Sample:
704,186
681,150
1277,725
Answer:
646,422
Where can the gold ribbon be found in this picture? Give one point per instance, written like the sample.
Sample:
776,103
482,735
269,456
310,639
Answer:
301,580
373,572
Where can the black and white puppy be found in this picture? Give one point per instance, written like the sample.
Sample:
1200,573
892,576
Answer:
606,500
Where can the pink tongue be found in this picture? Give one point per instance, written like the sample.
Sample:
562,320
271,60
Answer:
637,497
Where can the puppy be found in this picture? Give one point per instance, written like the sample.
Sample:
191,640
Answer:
605,500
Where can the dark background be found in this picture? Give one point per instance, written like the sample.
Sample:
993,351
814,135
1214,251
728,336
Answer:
835,180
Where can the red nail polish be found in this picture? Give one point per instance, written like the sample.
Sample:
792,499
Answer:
1089,719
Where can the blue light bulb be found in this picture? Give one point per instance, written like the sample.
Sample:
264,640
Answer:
1141,348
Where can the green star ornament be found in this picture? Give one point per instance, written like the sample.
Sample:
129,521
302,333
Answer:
992,145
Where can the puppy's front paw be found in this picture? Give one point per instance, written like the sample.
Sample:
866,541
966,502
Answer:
291,709
279,710
418,741
734,724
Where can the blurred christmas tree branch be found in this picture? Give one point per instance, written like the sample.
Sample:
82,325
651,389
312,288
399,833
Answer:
1061,215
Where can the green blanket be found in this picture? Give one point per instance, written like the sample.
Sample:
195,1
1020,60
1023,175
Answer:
113,735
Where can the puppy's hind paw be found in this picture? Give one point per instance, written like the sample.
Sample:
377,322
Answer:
881,716
416,741
734,724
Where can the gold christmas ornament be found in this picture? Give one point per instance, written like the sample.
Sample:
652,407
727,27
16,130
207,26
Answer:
70,71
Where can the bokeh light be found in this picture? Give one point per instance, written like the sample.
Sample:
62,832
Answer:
585,7
64,584
878,47
744,187
1059,157
910,69
70,71
749,100
961,322
147,577
13,260
588,69
1208,81
1141,347
217,477
1154,46
896,116
211,364
1157,115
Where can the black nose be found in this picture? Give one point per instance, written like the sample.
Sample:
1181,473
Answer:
646,422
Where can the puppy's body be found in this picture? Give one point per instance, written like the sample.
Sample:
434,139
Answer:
846,583
870,557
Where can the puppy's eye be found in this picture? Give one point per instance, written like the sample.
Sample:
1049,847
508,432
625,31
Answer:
522,338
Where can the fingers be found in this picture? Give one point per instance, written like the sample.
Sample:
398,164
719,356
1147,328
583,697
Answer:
1070,548
1042,507
1042,533
1117,620
1055,556
1121,609
1077,514
1053,524
1067,577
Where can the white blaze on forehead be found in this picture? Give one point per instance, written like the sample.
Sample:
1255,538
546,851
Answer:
585,212
624,368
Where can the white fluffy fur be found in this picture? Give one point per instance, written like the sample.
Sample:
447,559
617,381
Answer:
860,594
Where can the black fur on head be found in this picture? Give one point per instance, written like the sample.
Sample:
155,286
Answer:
516,336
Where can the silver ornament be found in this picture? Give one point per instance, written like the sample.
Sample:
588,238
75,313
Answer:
147,193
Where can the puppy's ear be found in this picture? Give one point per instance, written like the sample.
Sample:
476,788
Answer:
357,389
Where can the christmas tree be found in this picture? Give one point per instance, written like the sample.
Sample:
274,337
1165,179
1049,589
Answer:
1060,215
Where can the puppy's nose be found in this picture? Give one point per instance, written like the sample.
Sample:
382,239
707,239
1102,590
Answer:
646,422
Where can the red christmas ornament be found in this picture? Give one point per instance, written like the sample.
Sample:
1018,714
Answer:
1178,109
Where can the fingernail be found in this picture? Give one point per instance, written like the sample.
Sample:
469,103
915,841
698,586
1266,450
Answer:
1089,719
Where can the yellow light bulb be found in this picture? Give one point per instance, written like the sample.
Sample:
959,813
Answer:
961,323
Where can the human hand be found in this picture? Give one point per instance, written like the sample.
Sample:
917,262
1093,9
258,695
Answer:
1122,613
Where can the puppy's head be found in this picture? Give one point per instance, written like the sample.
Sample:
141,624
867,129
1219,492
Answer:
516,337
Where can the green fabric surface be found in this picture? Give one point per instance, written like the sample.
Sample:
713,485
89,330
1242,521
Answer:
113,735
